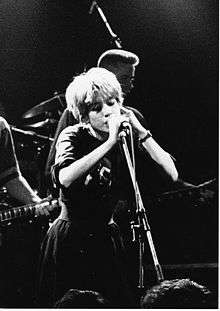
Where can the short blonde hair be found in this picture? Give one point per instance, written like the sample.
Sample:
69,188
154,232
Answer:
85,88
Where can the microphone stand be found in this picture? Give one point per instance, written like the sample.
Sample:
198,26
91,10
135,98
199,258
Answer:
141,230
115,38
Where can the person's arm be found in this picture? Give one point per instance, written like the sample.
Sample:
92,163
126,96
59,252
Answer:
10,174
75,170
157,153
66,120
19,189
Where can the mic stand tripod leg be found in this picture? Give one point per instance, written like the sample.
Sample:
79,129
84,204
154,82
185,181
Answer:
142,229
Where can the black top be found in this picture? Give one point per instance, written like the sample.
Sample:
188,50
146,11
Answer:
93,196
66,120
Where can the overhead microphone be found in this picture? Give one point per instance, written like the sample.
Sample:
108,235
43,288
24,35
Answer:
94,3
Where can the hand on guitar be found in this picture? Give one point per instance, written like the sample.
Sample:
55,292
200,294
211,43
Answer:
45,207
42,209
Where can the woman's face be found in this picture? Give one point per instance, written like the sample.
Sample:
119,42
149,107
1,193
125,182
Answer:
100,111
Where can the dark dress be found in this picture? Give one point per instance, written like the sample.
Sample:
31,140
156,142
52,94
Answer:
83,248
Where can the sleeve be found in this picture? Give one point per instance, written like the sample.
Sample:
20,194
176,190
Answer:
66,120
9,168
66,152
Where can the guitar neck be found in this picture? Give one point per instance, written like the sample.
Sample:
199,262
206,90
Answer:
26,210
17,212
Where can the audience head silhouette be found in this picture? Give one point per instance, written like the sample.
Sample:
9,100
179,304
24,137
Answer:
86,299
176,294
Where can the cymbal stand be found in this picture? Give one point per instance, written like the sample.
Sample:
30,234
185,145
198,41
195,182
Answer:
115,38
140,229
58,96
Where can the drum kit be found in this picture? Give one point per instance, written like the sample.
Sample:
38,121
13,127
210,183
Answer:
34,137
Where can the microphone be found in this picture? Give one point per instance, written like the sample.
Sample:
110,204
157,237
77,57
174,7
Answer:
125,125
94,3
124,129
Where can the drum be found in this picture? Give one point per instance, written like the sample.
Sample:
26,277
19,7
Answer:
32,156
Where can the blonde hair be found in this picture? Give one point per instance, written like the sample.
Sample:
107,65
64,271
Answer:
85,88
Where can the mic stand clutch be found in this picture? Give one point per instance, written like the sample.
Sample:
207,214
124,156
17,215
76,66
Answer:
140,230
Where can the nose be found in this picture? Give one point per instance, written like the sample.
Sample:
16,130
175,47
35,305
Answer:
106,110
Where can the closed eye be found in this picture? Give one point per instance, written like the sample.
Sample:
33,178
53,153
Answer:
97,106
110,103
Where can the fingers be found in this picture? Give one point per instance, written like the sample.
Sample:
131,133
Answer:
42,209
42,212
124,110
116,120
128,113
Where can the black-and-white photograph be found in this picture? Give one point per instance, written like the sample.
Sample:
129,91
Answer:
109,154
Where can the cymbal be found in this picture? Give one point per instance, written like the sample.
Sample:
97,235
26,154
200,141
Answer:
53,103
42,124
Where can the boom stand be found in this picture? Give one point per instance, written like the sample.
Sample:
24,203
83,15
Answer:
141,230
114,37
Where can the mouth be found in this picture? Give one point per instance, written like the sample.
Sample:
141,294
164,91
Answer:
105,126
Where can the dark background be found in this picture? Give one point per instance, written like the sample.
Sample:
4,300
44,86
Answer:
44,43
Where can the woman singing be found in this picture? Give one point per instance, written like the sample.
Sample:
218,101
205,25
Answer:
83,248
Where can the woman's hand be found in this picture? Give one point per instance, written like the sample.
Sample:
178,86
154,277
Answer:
114,122
132,119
